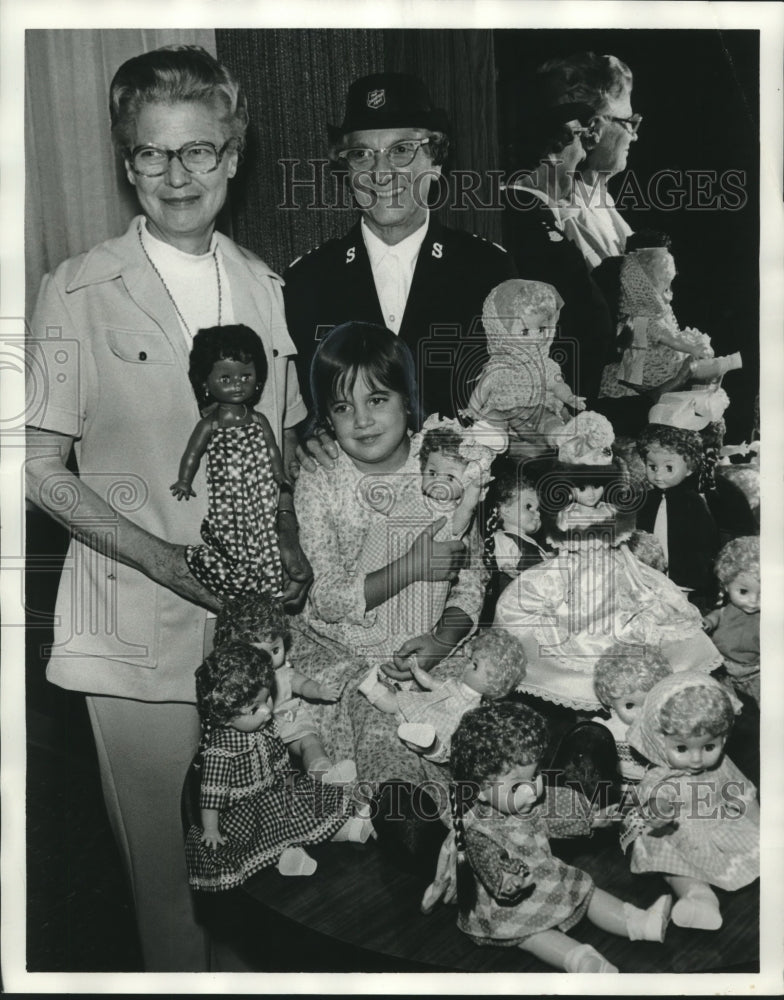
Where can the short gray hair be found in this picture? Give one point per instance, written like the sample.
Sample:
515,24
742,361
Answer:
585,77
170,75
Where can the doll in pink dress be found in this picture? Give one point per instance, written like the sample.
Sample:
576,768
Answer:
511,890
699,814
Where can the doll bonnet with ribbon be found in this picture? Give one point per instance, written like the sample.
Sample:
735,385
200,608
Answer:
480,443
507,302
691,410
645,733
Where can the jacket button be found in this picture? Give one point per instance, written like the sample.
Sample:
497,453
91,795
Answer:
274,353
142,355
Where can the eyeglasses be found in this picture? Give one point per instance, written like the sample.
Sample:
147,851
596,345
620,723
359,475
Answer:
630,124
199,157
400,154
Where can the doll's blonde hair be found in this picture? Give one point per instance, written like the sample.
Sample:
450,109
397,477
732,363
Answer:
698,710
508,659
740,555
623,669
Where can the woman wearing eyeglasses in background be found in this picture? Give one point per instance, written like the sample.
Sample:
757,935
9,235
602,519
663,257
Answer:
604,82
547,150
113,381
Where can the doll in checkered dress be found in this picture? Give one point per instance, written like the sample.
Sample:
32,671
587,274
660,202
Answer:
511,890
255,810
700,817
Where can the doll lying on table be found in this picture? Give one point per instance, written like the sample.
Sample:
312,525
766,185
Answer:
698,818
521,387
495,665
570,610
511,891
654,347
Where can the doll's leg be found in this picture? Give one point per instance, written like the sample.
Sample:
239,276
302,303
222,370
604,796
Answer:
378,694
609,913
697,906
559,950
315,761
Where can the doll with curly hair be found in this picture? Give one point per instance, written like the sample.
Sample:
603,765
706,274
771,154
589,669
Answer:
622,678
698,823
521,387
511,890
495,666
675,512
255,809
260,621
734,627
239,550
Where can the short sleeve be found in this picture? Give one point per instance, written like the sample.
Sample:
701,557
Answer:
215,780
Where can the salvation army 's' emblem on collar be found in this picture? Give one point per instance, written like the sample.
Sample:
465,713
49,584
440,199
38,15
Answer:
376,98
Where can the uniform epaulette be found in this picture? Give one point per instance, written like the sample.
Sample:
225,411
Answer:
484,239
302,256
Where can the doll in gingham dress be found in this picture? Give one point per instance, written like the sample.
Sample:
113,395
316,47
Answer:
255,809
700,813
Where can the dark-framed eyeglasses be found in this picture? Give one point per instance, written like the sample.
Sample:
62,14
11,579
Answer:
199,157
630,124
399,154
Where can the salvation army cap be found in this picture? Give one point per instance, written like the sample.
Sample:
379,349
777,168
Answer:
389,100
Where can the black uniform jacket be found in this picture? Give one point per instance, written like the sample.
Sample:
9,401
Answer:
454,273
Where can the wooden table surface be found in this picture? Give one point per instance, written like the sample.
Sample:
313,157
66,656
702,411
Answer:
359,897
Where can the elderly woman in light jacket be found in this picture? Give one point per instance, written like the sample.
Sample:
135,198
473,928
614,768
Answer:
111,335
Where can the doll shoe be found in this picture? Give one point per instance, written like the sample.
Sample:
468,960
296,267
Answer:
650,924
419,734
296,861
356,830
698,912
342,773
586,759
585,958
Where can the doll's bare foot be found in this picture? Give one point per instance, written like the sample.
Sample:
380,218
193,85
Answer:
420,735
585,958
342,773
296,861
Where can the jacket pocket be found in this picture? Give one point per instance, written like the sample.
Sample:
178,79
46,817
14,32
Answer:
140,347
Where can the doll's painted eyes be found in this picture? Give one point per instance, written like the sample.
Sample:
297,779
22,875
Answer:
629,706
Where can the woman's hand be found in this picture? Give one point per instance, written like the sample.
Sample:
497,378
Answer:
320,449
435,561
182,490
297,571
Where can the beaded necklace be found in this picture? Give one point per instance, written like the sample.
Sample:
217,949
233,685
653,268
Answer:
166,287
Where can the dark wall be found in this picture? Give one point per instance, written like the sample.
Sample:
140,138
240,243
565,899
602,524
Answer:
698,92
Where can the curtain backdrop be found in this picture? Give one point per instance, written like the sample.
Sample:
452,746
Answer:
75,189
296,81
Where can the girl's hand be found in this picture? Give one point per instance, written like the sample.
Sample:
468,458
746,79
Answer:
328,692
182,490
435,561
213,839
426,651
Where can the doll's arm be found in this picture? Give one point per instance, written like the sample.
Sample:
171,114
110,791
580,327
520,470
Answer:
189,463
679,341
710,621
306,687
276,460
423,678
211,835
502,870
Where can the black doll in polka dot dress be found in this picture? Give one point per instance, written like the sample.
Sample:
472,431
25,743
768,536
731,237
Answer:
239,554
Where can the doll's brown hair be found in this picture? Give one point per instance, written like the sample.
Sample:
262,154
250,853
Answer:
229,679
251,618
234,342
